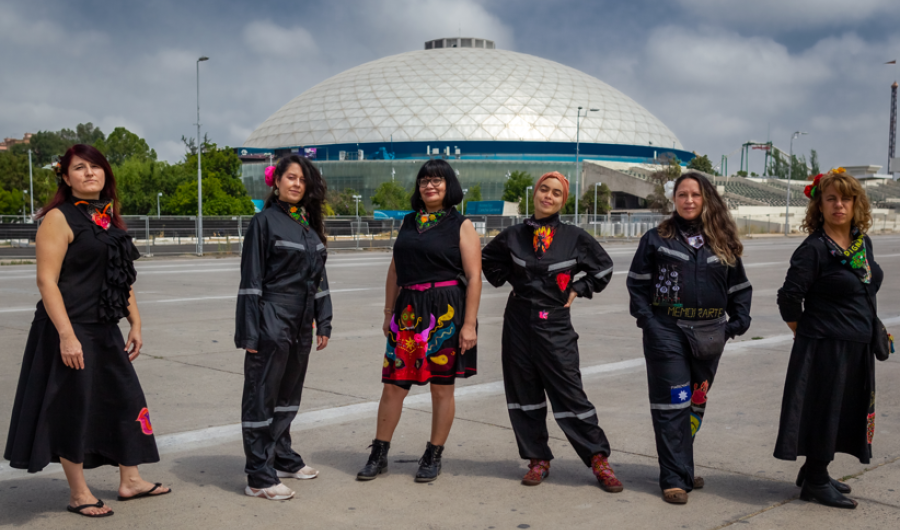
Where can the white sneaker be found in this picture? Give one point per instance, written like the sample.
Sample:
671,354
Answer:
278,492
304,474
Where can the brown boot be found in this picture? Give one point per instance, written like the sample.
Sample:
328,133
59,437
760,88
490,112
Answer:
538,470
605,475
675,496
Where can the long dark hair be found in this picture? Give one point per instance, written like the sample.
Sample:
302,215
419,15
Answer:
64,191
717,225
313,196
437,168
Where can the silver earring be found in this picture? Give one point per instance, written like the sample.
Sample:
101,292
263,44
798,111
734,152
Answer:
276,192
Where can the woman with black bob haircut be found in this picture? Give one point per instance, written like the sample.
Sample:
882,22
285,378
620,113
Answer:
829,302
432,293
690,294
283,294
79,401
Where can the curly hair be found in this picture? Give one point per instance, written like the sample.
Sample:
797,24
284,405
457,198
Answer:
718,227
847,185
313,197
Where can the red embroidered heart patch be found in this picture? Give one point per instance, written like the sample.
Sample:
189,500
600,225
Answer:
562,280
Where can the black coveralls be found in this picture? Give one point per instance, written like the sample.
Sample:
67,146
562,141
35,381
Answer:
540,346
283,289
670,281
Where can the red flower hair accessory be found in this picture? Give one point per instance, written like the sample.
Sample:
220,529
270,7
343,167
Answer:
270,176
810,190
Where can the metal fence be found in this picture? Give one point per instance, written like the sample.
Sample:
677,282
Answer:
224,235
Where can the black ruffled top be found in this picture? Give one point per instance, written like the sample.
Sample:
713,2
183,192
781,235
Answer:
98,270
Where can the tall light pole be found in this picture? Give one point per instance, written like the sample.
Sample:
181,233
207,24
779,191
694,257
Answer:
577,159
526,199
465,190
199,172
24,209
158,195
30,185
357,198
596,185
787,204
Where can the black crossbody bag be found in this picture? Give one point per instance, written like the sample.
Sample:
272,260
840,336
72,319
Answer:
882,342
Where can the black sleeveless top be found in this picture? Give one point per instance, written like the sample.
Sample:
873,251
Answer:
97,272
430,256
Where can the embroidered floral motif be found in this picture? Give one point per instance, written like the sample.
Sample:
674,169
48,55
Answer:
870,427
543,237
562,280
699,395
426,220
97,211
854,256
407,350
296,213
544,315
696,422
144,419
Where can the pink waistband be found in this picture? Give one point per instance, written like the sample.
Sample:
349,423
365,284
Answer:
426,286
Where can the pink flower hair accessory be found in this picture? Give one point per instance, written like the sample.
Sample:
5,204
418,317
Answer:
270,176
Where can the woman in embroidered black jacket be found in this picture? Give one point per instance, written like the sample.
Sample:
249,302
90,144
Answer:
689,294
540,259
284,289
828,300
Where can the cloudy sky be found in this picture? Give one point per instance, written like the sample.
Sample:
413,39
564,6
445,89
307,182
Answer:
717,72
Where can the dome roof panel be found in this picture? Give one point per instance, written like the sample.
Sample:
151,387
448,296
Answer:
459,94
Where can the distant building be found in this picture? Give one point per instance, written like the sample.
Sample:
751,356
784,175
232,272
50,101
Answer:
9,142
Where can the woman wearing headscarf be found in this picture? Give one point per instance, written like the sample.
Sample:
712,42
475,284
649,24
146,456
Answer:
828,301
690,294
79,401
432,292
283,295
540,259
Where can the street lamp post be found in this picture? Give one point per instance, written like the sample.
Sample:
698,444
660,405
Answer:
596,185
357,198
199,172
24,209
465,190
578,160
158,195
787,203
526,199
30,186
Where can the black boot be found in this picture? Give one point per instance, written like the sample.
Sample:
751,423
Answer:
826,494
837,484
430,463
378,461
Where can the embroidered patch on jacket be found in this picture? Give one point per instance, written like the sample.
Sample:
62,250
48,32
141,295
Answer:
543,237
144,419
668,286
696,421
562,280
544,315
698,396
681,393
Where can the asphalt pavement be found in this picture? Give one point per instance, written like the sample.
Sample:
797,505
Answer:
192,377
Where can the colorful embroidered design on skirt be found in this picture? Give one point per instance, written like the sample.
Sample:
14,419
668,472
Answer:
144,419
870,427
408,350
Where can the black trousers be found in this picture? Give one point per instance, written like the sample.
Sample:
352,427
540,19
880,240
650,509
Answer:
273,385
540,363
678,385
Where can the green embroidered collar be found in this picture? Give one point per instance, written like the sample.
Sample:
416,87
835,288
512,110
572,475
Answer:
426,221
854,257
297,213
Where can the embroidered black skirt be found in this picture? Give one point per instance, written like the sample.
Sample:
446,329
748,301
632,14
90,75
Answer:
829,401
95,416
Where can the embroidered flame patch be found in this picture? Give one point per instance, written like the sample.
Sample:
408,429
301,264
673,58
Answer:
144,419
562,280
543,236
699,395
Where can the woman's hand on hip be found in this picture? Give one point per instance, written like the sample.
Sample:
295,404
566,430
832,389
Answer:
134,343
468,337
572,296
251,351
321,342
72,355
386,325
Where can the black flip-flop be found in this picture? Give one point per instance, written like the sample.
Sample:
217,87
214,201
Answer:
147,493
99,504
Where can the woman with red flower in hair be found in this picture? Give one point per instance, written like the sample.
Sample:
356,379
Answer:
539,259
79,401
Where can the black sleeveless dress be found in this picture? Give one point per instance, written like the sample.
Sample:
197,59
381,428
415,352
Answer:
98,415
423,343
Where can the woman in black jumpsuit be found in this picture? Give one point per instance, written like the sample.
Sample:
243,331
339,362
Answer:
690,294
540,259
828,300
283,292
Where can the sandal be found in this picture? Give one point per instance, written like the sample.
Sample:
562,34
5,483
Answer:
675,496
78,509
148,493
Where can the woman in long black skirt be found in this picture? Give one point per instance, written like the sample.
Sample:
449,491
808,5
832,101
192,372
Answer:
79,401
283,295
432,293
828,300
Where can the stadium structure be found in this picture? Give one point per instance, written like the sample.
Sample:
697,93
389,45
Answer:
488,111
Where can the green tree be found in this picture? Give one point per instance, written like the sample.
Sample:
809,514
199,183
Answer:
390,195
799,169
122,144
343,203
814,163
139,182
657,200
14,176
514,189
586,204
223,190
86,133
11,202
701,163
48,145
